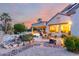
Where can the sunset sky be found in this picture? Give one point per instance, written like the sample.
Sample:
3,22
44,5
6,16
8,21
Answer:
30,12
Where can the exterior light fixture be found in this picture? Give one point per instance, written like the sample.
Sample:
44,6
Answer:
70,22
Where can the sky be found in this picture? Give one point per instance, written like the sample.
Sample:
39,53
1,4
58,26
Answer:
28,13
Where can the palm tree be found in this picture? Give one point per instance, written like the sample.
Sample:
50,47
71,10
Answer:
6,19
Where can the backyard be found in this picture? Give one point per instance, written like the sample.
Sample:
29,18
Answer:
39,48
53,37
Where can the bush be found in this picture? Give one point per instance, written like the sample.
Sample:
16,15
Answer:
77,44
18,28
72,43
63,36
27,37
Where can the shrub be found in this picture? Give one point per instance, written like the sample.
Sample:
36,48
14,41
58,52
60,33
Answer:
19,28
55,36
27,37
72,43
77,44
69,43
63,36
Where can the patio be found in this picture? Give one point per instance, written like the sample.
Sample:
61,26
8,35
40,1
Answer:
42,49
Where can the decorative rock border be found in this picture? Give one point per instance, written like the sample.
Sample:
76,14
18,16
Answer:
15,51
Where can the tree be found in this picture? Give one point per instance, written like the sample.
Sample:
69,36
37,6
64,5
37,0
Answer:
39,20
6,19
19,28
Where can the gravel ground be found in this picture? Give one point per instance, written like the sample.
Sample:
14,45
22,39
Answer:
46,51
3,51
14,51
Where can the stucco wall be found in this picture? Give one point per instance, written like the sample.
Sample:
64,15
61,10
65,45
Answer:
75,23
60,19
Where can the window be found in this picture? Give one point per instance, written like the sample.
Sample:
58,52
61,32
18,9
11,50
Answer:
65,28
54,28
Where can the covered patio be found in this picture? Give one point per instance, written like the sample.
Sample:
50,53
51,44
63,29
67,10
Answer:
39,27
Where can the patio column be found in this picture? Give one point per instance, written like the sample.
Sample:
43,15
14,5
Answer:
59,28
59,31
32,30
42,30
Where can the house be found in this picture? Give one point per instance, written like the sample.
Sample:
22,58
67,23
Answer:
65,22
39,26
